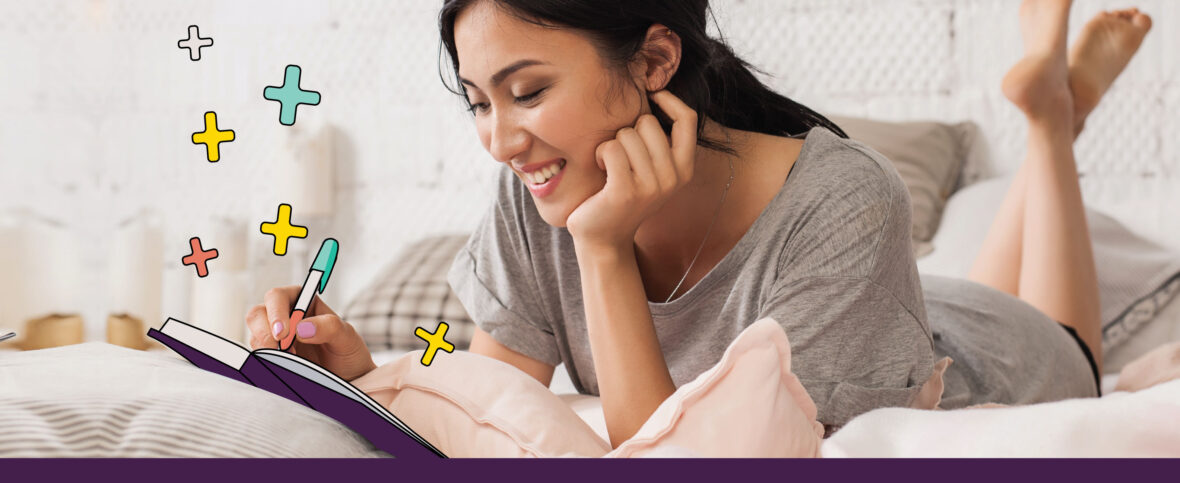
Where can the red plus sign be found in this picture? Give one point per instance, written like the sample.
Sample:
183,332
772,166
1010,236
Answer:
198,256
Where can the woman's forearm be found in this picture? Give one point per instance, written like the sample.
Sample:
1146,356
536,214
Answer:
632,375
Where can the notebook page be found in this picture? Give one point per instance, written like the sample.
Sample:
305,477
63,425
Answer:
214,346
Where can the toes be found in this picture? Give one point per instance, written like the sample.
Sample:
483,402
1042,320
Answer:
1142,21
1124,14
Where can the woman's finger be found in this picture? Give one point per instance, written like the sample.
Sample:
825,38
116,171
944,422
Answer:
661,152
279,301
613,157
260,332
319,329
337,337
684,128
640,160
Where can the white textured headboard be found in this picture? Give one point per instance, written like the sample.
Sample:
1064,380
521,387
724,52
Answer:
100,103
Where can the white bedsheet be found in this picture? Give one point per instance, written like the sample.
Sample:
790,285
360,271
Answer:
1141,424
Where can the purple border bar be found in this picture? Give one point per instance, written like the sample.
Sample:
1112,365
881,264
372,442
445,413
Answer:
593,470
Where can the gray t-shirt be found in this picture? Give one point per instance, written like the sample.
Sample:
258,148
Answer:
829,259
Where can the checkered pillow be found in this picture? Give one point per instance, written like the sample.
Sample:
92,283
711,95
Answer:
412,292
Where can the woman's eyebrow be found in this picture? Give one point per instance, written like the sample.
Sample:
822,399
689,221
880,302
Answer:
499,77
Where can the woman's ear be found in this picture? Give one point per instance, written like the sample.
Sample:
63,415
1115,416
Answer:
661,56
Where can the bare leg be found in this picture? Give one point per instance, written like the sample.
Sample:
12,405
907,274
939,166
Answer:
1056,270
1043,26
1105,46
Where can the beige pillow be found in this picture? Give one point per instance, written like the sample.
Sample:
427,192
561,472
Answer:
929,156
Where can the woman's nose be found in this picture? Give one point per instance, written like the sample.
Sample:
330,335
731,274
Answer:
508,141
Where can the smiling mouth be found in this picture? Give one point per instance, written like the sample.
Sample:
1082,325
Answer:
543,175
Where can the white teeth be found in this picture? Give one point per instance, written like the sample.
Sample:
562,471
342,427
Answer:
542,175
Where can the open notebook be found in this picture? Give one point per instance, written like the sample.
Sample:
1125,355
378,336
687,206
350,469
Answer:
299,380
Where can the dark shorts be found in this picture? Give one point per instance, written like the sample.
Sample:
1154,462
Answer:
1089,357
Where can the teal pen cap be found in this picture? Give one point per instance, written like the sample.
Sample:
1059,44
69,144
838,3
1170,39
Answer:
325,260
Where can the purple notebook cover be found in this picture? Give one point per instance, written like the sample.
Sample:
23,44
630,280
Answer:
262,374
253,372
382,433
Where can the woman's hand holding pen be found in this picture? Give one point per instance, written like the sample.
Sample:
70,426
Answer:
321,337
643,170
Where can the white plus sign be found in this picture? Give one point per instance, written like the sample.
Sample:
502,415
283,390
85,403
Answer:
194,42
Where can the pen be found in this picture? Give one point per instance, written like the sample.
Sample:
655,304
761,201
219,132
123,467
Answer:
6,334
317,279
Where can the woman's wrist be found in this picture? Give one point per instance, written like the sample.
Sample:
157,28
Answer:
602,251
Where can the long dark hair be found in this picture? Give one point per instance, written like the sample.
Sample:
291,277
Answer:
711,79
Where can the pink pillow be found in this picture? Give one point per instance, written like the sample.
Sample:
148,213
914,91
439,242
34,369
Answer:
1156,367
747,405
471,406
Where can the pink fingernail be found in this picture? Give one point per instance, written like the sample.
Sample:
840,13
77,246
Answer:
277,328
305,330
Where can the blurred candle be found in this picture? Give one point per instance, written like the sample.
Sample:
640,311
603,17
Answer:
11,267
307,170
176,301
136,268
229,238
219,304
40,268
53,268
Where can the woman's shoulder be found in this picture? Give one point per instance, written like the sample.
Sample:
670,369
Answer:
836,180
842,209
841,165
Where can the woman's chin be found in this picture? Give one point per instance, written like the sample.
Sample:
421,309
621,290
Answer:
555,216
556,208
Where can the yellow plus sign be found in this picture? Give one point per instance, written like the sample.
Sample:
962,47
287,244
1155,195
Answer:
436,341
282,229
211,137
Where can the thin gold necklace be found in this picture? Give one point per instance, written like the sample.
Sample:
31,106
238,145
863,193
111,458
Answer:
716,213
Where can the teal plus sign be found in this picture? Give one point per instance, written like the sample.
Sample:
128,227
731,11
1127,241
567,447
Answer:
290,96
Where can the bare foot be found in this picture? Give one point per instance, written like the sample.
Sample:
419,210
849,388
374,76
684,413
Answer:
1039,83
1102,51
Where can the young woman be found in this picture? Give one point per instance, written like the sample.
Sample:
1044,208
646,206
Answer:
655,199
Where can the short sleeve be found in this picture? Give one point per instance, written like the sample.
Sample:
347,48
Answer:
853,345
493,276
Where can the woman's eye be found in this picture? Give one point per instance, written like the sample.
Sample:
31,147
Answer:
525,99
478,108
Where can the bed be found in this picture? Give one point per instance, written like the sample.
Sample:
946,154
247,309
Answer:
101,400
1166,328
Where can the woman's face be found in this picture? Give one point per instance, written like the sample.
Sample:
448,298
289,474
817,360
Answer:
539,97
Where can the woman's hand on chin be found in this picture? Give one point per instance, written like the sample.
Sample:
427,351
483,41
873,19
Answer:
642,172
